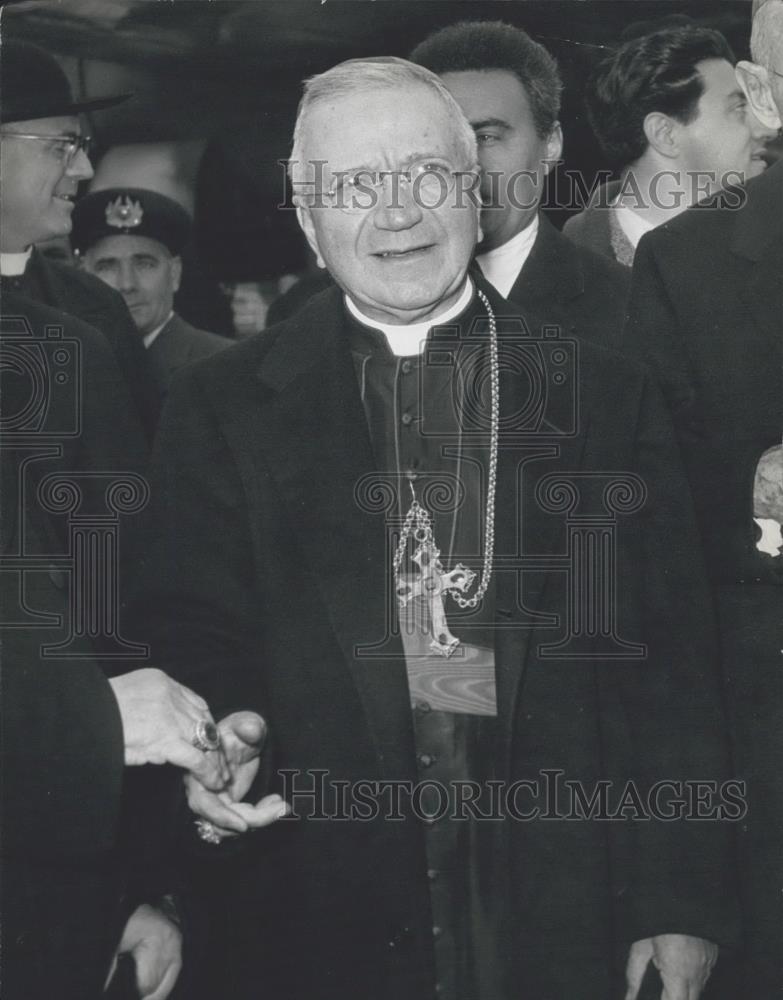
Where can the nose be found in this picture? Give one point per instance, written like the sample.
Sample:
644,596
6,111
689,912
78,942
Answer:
397,204
80,167
126,277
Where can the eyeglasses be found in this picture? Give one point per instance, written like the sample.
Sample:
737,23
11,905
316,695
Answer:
69,145
430,182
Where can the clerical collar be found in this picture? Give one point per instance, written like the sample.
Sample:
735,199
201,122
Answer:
407,340
502,265
14,264
149,337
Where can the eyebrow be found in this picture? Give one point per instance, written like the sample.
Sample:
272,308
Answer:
490,123
410,158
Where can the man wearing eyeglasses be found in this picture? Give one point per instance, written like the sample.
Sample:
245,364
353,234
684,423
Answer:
44,158
706,314
359,528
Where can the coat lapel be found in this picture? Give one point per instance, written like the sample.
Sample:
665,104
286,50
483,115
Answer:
526,535
551,273
316,442
758,238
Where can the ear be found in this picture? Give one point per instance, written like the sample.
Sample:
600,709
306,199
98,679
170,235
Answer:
305,219
754,80
660,132
554,148
176,272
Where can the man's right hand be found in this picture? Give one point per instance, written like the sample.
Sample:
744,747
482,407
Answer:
242,735
159,719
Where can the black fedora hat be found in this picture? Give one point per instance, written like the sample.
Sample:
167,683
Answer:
32,85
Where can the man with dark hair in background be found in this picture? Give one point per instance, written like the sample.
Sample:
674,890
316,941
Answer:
509,87
668,112
706,315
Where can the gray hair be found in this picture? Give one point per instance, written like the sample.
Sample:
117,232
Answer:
766,39
361,75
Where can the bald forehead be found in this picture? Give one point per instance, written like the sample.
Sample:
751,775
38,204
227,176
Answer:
373,124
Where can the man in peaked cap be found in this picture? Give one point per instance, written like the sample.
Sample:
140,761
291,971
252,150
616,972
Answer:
131,238
44,158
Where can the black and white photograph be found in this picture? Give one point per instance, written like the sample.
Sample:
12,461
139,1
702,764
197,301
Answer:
391,500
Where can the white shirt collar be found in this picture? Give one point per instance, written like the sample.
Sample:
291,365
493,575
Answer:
14,264
631,223
406,340
502,265
149,337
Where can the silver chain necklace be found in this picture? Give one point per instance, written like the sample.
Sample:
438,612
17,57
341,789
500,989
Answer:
433,582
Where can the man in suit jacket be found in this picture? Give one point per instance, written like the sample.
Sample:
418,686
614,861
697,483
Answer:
668,112
131,238
68,730
44,158
706,314
274,579
508,87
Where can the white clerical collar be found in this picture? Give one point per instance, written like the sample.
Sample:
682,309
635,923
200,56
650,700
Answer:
502,265
14,264
406,340
631,223
149,337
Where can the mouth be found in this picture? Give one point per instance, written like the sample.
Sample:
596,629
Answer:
406,254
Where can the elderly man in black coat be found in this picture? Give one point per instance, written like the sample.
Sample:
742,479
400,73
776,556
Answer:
707,315
446,556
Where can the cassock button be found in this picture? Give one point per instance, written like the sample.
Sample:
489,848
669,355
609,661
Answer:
436,932
432,874
407,367
423,707
407,419
426,759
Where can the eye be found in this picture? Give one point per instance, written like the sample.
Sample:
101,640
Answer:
433,174
353,181
486,138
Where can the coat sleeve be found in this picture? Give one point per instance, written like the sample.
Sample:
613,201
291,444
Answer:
678,875
193,595
63,752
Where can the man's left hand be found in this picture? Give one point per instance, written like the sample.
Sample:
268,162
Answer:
684,963
155,943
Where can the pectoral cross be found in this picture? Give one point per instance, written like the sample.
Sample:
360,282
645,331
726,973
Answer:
433,583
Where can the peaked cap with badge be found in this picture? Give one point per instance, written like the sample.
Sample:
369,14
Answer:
130,212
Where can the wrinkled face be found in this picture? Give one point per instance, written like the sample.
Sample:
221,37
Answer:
514,159
38,182
725,137
402,257
143,272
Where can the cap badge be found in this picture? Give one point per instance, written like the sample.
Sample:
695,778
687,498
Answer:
124,213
